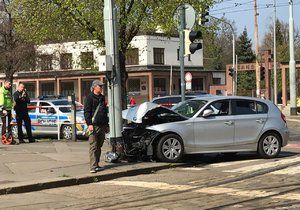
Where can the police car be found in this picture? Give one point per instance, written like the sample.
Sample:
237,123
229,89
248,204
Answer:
52,115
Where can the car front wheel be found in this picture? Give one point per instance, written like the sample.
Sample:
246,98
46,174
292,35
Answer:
169,148
269,145
66,132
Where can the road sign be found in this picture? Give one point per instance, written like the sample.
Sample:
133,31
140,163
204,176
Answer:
188,77
188,85
190,16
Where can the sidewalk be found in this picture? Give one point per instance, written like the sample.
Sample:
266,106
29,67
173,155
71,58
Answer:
47,164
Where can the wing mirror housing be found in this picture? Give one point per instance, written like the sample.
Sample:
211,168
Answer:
207,113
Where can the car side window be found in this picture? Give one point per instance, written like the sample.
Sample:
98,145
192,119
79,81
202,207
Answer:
220,108
32,107
45,108
244,107
261,108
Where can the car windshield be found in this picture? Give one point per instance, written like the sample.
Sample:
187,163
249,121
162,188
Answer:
67,106
189,108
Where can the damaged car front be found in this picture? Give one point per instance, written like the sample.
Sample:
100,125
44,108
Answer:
156,131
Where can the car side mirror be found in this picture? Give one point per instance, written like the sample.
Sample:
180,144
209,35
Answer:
207,113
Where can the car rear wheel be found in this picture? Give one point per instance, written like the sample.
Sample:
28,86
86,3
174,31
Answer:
66,132
169,148
269,145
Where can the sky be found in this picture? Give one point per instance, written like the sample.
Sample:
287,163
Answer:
242,13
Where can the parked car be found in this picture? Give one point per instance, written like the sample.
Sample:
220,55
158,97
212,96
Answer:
170,101
205,125
44,115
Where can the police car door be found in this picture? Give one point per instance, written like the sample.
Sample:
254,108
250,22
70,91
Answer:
32,111
47,118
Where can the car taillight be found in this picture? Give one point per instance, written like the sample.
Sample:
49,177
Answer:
283,117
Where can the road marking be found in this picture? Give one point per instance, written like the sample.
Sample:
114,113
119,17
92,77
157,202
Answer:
253,168
193,169
215,165
205,190
288,171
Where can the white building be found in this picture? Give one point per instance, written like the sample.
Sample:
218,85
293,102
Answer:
64,68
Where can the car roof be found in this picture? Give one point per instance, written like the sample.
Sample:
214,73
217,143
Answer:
179,96
213,98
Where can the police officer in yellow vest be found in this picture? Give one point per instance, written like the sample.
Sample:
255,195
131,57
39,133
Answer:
6,105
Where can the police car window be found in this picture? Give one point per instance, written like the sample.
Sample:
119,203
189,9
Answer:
32,107
45,108
65,106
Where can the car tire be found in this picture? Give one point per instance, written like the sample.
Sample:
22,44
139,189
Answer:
269,145
169,148
66,132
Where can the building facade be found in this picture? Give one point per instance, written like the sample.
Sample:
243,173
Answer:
152,63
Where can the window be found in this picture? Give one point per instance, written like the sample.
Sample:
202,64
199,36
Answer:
46,108
244,107
32,107
67,88
47,89
159,55
159,84
217,81
261,108
134,85
87,60
30,87
66,61
197,84
220,108
189,108
132,57
46,62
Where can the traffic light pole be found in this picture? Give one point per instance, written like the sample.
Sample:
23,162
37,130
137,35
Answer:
293,91
181,52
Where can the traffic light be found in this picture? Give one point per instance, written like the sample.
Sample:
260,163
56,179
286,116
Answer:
231,72
262,73
192,43
203,17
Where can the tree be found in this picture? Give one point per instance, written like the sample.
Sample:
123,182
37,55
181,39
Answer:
217,45
61,20
15,53
246,79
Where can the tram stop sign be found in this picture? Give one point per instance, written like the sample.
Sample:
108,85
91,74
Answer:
188,80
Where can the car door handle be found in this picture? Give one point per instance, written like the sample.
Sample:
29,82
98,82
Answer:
260,121
228,122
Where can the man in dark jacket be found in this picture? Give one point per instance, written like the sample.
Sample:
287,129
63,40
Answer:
22,99
95,114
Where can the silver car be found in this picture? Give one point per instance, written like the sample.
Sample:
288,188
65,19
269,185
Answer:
205,125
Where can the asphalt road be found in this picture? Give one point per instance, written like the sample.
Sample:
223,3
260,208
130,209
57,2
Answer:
210,182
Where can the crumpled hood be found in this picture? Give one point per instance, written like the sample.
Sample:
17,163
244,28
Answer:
135,114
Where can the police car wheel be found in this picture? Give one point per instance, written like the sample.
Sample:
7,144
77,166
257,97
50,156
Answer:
66,132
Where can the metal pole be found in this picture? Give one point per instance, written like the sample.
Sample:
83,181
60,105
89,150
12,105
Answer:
171,79
181,51
233,64
256,50
236,74
275,57
293,90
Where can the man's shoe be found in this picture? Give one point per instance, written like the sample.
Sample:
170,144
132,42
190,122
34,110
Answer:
22,142
93,171
99,168
32,141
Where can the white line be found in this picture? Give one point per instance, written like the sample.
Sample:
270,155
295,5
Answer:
206,190
192,169
288,171
253,168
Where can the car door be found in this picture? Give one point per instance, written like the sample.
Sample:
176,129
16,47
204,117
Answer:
217,130
250,117
32,112
46,119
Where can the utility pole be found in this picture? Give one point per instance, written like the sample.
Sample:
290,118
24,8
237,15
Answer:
256,50
275,57
236,74
293,90
113,71
181,51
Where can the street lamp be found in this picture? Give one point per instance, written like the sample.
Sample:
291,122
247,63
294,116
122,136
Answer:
234,84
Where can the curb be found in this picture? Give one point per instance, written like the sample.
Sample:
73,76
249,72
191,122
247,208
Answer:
84,180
